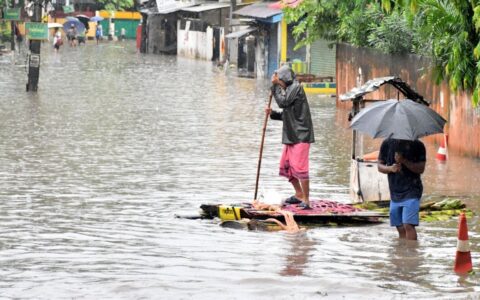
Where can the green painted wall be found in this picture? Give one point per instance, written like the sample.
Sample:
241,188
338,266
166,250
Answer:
129,25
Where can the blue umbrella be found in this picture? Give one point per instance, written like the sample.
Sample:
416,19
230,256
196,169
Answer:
96,19
70,18
77,24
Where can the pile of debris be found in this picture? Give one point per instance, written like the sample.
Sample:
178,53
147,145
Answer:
430,211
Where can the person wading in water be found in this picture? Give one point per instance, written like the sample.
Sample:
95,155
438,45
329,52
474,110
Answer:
403,162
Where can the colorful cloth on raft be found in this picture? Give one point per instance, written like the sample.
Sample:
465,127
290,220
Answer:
319,207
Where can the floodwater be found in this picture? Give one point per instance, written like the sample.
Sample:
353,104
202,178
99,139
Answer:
95,166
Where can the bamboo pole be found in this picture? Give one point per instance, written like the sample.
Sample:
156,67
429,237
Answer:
261,145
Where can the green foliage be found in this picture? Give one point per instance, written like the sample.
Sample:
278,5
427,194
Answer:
9,3
117,4
448,31
5,32
391,35
317,17
3,3
361,23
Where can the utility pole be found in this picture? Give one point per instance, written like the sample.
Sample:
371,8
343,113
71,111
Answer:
12,25
233,7
34,56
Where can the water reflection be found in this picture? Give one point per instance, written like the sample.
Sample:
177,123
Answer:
406,258
300,248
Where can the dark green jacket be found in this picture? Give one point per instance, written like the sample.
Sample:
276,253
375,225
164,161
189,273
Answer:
297,121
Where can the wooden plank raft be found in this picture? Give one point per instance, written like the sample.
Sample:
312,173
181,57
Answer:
322,212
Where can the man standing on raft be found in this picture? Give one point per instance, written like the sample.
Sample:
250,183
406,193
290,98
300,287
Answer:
297,133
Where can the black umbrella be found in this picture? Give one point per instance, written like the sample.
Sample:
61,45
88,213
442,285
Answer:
84,19
398,119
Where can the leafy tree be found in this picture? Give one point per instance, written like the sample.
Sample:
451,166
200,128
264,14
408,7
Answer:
362,23
117,4
391,34
315,19
3,3
448,31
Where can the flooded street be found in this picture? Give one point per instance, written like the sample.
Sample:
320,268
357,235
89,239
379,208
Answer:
95,166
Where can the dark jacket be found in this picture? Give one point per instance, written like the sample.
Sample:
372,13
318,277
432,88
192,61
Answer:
297,121
405,184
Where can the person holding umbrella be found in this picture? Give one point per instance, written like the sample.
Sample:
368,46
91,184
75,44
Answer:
403,161
57,40
297,133
98,32
81,37
402,155
72,35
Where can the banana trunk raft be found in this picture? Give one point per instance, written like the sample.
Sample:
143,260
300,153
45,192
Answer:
430,211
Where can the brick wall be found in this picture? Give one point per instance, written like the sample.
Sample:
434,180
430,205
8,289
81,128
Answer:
463,126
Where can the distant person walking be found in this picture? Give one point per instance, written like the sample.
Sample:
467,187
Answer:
111,31
403,161
18,34
57,40
297,133
98,32
81,38
72,35
122,34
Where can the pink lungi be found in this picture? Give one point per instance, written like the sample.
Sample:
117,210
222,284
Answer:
294,161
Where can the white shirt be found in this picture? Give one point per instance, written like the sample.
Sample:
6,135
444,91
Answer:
58,36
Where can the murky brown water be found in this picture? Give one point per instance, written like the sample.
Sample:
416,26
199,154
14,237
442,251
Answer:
95,166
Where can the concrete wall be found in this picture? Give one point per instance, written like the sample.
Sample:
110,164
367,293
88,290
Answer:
463,125
260,56
161,34
194,44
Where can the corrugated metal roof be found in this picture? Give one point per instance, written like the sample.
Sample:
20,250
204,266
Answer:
374,84
148,11
322,58
206,7
172,7
260,10
240,33
370,86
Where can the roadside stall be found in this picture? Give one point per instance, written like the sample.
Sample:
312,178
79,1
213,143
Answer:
366,183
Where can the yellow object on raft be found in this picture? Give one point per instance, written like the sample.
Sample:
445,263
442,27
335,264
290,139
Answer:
228,212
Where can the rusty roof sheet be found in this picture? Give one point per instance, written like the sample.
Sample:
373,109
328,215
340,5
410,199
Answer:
206,7
374,84
240,33
260,10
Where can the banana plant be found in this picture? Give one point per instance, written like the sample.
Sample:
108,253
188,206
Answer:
447,31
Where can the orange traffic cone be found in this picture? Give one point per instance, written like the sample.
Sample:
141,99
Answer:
463,260
442,150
